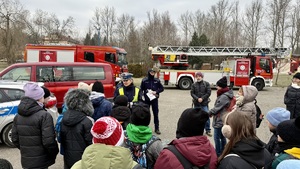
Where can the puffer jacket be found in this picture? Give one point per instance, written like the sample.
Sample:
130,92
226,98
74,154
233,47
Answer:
198,150
75,135
247,154
102,107
33,133
200,90
248,106
104,156
292,100
152,83
220,108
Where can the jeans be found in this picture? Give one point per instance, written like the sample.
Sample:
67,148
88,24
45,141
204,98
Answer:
220,141
207,124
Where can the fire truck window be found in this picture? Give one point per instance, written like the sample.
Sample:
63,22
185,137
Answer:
89,56
265,64
88,73
21,73
45,74
110,57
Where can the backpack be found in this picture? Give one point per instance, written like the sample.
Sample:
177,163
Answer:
259,115
138,151
231,104
184,162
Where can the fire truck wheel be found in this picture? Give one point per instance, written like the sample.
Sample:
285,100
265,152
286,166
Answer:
185,83
258,83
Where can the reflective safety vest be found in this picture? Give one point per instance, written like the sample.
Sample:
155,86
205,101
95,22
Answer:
136,93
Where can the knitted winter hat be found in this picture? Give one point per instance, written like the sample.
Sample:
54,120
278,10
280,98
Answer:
222,82
121,100
107,130
33,90
82,85
289,164
46,91
191,123
4,164
297,75
140,115
289,131
277,115
199,74
98,87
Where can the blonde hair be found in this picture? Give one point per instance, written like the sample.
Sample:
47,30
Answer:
82,85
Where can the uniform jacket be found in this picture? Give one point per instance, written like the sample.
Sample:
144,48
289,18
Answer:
198,150
292,100
129,91
248,105
75,135
200,90
152,83
104,156
102,107
220,108
251,154
33,133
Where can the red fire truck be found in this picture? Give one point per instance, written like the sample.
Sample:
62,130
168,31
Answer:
114,56
253,66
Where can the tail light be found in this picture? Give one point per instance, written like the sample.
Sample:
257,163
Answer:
51,102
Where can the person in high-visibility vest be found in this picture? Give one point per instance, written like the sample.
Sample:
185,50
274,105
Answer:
133,93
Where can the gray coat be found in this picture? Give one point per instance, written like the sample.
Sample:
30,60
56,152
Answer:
220,108
248,106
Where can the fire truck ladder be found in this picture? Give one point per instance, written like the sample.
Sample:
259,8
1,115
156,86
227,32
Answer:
220,51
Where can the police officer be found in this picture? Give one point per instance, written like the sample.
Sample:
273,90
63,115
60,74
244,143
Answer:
133,93
151,85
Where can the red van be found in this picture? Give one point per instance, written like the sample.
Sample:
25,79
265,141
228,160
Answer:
59,77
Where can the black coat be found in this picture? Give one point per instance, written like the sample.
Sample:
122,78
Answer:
33,133
200,90
250,153
292,101
272,145
75,135
151,83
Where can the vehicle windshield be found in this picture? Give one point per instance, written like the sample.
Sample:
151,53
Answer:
122,60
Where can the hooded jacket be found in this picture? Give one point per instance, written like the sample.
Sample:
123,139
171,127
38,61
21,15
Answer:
251,153
292,153
102,107
76,125
200,90
198,150
33,133
248,106
122,114
220,108
292,100
104,156
152,83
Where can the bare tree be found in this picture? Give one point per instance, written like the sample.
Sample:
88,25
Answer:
124,23
184,22
294,32
108,21
11,27
234,33
198,22
252,22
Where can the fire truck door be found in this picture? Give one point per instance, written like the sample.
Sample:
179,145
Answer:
47,56
242,72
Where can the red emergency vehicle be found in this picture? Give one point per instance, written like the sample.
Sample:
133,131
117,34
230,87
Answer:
253,66
114,56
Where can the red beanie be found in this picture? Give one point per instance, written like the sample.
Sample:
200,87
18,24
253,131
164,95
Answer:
107,130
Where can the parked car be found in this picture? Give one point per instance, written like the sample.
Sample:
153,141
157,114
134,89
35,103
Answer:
10,96
59,77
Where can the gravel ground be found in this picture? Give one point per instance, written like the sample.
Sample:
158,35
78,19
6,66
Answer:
172,102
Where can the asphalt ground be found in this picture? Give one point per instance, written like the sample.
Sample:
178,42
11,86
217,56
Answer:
172,103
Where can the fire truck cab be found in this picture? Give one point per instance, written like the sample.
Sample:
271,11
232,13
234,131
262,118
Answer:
253,66
114,56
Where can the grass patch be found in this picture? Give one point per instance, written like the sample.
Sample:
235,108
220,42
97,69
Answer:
284,80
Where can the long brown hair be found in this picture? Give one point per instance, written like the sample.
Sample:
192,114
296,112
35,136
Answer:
241,128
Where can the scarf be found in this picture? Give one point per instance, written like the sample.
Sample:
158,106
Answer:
222,90
138,134
294,152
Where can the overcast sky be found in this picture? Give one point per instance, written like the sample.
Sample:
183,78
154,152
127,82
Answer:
83,10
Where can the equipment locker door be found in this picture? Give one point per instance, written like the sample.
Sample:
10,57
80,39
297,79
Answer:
242,72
